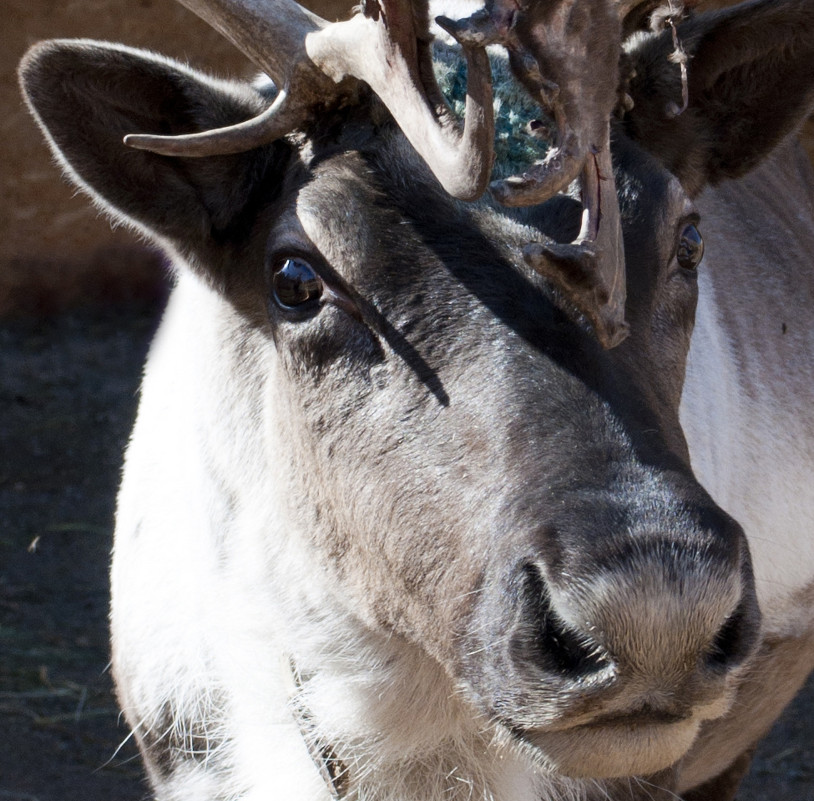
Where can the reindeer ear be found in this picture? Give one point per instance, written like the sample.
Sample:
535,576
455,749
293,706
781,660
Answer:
88,95
750,82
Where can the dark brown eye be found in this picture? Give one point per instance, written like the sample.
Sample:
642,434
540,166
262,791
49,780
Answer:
295,283
690,248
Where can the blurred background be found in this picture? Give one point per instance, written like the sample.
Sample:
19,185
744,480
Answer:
79,303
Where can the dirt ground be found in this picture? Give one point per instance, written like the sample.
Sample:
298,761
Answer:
68,392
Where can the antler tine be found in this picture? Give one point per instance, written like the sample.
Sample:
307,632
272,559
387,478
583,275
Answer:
389,48
310,60
590,271
251,25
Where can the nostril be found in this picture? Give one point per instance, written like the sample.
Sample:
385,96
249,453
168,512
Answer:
559,647
734,641
567,651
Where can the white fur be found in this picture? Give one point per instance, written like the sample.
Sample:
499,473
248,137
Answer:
191,620
751,447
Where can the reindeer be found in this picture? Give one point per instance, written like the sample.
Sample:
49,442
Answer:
437,495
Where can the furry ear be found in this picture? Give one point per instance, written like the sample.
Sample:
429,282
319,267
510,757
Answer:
86,96
750,82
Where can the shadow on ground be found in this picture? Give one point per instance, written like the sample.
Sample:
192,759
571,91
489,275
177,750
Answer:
68,393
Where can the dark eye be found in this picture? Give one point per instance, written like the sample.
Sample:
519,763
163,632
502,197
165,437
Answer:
690,248
294,283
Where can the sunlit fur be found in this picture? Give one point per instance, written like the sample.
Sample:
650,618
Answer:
444,541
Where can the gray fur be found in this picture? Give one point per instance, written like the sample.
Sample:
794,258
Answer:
480,538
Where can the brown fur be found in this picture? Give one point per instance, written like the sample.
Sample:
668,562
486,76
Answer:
780,669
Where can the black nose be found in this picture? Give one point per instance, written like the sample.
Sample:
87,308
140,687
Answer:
557,647
667,612
736,639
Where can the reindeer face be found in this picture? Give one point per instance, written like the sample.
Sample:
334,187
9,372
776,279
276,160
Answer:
479,476
463,418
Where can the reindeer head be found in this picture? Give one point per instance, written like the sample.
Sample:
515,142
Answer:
381,381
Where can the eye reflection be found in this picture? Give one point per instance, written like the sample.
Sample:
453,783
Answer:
295,283
690,248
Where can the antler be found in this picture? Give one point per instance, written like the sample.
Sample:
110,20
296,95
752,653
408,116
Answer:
315,63
566,54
